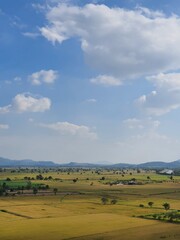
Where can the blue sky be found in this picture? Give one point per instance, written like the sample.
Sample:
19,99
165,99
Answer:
90,81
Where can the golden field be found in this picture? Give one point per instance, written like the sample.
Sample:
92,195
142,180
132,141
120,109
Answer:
76,211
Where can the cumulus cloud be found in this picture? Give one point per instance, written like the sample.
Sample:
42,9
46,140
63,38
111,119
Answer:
70,128
4,126
43,76
168,81
149,13
165,98
5,109
118,42
25,102
106,80
158,104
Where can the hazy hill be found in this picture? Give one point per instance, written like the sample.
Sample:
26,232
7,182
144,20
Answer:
174,164
5,162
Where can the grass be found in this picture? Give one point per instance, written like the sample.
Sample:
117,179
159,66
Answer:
82,215
169,216
68,227
18,184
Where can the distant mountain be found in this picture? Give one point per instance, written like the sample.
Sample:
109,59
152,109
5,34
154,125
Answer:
153,165
124,165
175,164
85,165
5,162
147,165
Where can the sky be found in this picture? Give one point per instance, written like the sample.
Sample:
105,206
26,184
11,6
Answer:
90,81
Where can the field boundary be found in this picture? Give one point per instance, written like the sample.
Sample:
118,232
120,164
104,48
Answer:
15,214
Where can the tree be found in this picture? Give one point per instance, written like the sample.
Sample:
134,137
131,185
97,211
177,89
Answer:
39,177
141,205
1,191
55,190
104,200
22,189
35,191
150,204
4,186
166,206
29,185
113,202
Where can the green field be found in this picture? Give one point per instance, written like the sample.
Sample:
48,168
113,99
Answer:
75,209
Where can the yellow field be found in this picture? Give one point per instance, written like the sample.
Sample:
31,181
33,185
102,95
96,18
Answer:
83,216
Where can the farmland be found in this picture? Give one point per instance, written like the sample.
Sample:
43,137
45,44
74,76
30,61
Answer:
69,204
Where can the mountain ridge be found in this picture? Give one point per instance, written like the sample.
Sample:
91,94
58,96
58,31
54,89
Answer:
5,162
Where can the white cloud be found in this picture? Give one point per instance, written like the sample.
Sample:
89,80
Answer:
17,79
168,81
149,13
32,35
52,35
134,123
25,102
106,80
4,126
165,98
43,76
5,109
118,42
158,104
91,100
70,128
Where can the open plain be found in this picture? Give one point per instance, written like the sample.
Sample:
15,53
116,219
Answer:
88,204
